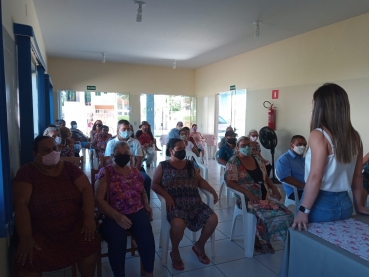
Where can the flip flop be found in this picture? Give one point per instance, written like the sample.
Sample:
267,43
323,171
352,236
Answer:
178,265
205,258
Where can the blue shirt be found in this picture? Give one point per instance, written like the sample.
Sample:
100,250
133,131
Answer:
290,164
226,152
174,133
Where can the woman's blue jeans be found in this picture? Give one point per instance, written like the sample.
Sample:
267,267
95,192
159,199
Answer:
331,206
116,238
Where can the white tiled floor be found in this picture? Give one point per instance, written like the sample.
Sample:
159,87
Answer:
229,257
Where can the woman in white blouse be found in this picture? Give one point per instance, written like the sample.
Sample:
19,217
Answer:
333,161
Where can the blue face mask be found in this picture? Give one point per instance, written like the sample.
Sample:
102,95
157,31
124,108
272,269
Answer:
246,151
124,134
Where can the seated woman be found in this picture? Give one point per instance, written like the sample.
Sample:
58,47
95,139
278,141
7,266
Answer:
121,197
199,139
63,148
146,140
256,150
139,132
176,180
53,202
184,134
100,140
246,173
66,135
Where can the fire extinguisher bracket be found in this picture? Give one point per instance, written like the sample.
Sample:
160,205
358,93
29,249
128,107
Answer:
271,114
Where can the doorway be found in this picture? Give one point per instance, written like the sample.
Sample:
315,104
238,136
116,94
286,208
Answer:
231,112
164,111
85,107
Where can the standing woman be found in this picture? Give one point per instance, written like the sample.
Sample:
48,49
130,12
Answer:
54,214
96,129
333,163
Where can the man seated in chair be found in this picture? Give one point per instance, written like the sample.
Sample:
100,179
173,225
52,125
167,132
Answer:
227,150
124,133
290,167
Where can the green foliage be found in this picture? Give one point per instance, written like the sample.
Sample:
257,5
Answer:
120,117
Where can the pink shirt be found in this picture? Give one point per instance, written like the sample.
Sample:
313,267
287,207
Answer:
125,190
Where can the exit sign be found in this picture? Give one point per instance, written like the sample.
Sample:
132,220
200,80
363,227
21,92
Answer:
232,87
91,87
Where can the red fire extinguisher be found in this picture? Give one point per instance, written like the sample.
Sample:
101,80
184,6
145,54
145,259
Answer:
271,114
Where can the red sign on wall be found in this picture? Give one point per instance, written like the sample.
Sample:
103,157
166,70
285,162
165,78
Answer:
275,93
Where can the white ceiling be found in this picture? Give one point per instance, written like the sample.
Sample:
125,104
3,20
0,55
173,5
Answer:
193,32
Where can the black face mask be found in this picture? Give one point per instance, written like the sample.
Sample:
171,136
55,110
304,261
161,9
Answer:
122,159
181,154
232,141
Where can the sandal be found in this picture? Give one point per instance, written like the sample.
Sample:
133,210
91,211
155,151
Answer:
178,265
205,259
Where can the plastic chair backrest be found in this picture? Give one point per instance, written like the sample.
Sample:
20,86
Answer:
189,156
78,161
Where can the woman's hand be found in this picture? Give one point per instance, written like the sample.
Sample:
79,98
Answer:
252,198
215,195
301,220
25,250
124,221
170,203
149,210
89,228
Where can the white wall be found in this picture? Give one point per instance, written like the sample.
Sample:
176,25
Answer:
23,12
297,67
72,74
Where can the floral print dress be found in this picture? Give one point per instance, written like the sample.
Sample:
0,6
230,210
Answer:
182,186
273,218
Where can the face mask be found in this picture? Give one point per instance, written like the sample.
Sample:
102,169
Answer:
232,141
253,138
179,128
122,159
51,159
74,126
299,150
181,154
194,129
246,151
184,137
58,140
125,134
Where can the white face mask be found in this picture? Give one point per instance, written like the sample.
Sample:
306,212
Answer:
58,140
253,138
74,126
184,137
299,150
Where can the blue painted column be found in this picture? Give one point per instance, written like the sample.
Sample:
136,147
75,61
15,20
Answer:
150,110
42,100
25,98
6,206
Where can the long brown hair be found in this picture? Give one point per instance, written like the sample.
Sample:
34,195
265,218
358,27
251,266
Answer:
332,111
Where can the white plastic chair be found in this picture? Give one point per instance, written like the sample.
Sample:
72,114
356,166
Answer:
204,170
288,202
95,159
223,185
165,227
249,225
